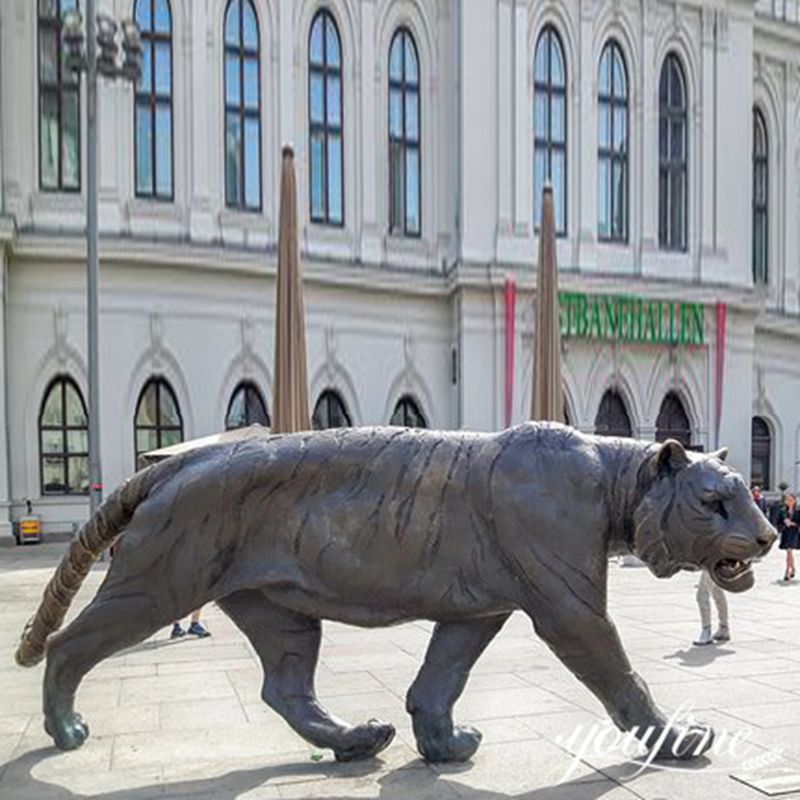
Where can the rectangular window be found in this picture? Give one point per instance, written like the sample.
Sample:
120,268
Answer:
252,160
412,191
163,150
318,175
559,189
397,188
144,150
603,199
335,172
48,140
233,164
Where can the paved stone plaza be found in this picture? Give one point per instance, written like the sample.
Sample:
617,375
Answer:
184,718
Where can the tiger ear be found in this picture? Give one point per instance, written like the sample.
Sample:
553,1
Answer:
721,454
671,458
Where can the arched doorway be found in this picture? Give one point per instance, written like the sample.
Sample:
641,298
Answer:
673,421
612,416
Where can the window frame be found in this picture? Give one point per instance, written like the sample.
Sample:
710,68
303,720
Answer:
57,90
326,128
547,143
247,386
402,35
242,53
668,166
62,382
152,100
328,395
760,161
764,458
609,153
160,383
403,404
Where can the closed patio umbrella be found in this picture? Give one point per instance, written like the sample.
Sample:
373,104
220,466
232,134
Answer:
290,391
547,398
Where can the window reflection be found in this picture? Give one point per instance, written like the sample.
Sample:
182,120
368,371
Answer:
404,136
325,121
59,104
153,102
550,126
64,440
612,173
242,107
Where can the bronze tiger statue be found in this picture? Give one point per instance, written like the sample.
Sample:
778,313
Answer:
377,526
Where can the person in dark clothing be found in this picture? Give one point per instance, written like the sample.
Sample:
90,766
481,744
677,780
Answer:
759,499
787,522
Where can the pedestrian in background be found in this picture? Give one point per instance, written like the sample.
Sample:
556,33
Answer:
787,522
196,628
759,498
706,589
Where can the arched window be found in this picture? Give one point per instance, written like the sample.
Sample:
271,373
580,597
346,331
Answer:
59,104
153,101
612,153
673,421
404,125
158,418
760,198
761,449
408,414
672,156
64,439
550,126
330,412
242,107
612,416
325,120
246,407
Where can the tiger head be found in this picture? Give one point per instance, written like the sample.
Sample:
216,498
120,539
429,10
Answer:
697,513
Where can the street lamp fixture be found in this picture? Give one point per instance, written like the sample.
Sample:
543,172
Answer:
96,52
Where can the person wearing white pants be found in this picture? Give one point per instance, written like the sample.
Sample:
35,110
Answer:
706,588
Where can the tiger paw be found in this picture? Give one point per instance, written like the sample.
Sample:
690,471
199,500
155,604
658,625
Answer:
68,731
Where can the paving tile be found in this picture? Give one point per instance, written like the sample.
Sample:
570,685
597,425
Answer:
166,688
11,724
513,702
513,768
191,713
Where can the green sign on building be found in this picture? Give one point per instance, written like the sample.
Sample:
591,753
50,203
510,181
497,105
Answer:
630,319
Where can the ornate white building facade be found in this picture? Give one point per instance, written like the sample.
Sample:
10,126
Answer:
422,130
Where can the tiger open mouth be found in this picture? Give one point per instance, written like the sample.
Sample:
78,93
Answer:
732,574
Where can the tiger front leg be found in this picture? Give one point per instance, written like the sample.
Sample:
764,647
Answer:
589,646
452,652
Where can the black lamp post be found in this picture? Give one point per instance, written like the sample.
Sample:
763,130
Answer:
96,53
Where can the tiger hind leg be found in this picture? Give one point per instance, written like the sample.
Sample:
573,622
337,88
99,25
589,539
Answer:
452,652
106,626
287,643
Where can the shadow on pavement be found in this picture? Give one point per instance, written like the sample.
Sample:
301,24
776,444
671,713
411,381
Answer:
412,781
700,656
